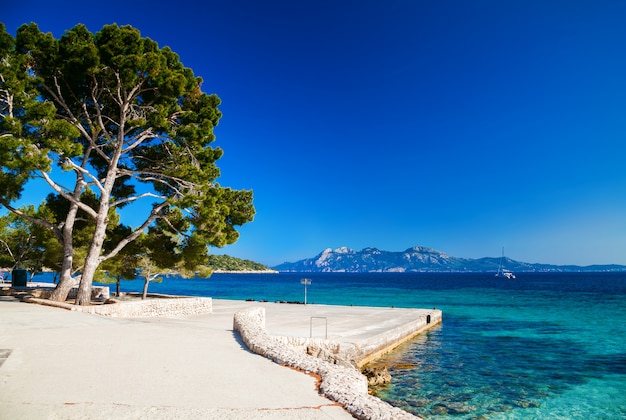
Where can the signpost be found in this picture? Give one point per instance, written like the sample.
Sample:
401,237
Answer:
305,282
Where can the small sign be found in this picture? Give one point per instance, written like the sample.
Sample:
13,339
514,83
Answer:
305,282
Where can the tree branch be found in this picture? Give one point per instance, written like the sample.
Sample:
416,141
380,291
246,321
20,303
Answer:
144,176
143,136
154,214
60,100
96,103
68,197
167,221
8,249
40,222
84,171
137,197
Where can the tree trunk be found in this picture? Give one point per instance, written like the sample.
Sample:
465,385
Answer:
65,281
117,287
144,293
64,286
93,258
93,255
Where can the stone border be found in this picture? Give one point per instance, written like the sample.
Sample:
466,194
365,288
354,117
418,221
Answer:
342,384
44,290
167,307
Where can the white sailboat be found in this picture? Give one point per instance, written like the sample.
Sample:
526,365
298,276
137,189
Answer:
503,272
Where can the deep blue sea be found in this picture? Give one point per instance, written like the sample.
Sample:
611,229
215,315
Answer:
542,346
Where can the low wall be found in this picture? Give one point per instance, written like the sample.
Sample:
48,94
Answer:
170,307
44,290
345,354
345,385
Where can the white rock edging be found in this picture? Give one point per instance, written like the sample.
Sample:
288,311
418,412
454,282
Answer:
345,385
173,307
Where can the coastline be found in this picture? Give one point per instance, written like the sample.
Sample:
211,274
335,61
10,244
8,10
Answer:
289,342
343,384
245,272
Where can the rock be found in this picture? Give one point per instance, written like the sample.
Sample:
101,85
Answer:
376,375
321,353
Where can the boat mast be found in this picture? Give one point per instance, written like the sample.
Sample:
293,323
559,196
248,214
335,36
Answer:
500,266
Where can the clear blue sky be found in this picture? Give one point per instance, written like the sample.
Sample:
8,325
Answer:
463,126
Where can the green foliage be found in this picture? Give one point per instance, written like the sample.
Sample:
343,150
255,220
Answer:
119,112
122,266
23,243
22,117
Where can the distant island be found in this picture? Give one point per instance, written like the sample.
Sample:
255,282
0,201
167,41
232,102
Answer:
420,259
228,264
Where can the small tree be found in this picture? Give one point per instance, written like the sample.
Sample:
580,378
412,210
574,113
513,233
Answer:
150,272
116,111
163,251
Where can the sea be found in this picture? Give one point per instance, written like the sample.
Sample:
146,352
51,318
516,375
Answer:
540,346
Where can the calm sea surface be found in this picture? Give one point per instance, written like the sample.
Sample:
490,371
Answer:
542,346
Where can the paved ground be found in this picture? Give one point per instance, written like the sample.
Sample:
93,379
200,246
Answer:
66,365
58,364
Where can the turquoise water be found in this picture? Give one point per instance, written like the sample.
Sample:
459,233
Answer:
554,349
542,346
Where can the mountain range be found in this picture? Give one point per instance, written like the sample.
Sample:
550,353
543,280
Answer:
420,259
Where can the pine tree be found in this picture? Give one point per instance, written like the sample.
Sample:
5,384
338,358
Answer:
118,112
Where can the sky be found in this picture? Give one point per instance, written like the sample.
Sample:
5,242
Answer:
463,126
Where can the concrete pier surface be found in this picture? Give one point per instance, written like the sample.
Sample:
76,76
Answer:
374,330
58,364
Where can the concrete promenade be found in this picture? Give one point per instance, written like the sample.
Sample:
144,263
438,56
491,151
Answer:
59,364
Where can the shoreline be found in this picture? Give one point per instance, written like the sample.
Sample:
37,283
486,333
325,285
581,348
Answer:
246,272
345,385
378,341
353,336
